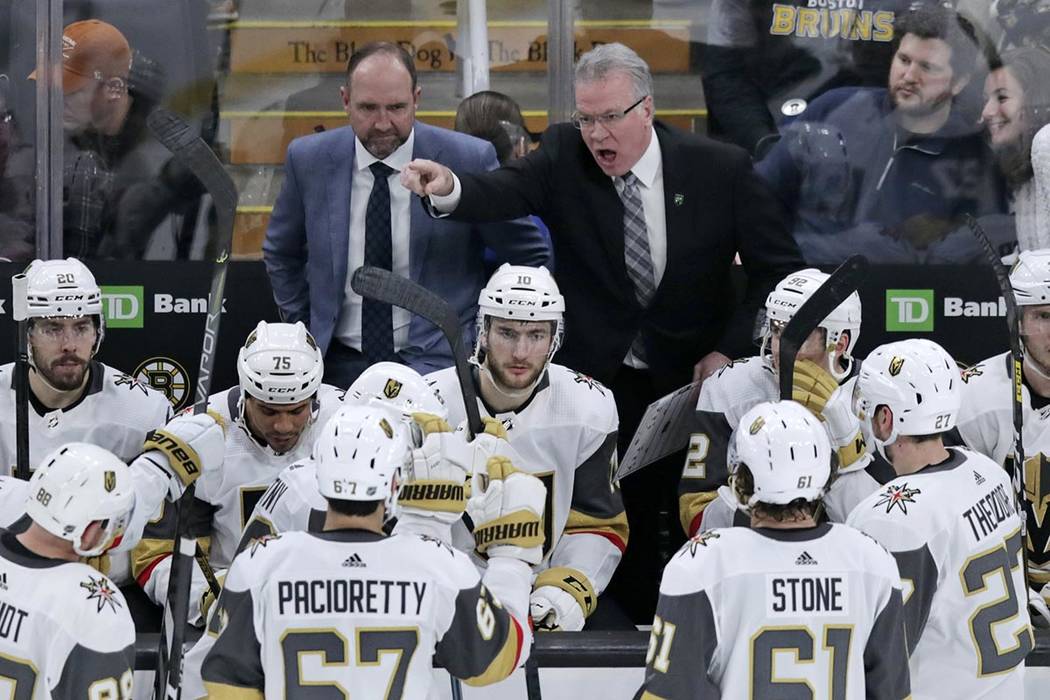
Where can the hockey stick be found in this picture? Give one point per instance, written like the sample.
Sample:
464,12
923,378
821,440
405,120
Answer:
842,282
194,154
1013,324
383,285
20,312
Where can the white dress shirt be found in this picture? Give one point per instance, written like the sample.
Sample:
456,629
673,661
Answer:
348,327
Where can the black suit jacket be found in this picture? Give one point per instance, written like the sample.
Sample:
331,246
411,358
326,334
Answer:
715,207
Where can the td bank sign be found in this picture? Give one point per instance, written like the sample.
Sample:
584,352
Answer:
122,306
912,310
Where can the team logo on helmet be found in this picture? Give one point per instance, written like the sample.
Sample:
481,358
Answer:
386,428
109,481
757,425
392,388
895,366
166,376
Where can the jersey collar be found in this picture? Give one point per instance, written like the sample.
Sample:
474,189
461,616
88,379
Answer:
542,384
349,535
15,552
795,535
96,372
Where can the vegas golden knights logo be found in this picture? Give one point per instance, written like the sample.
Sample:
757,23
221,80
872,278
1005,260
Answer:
386,428
757,425
895,366
392,388
109,481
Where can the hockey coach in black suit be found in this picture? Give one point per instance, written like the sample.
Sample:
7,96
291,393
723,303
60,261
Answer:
645,221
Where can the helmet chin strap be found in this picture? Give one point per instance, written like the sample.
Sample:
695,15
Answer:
1036,367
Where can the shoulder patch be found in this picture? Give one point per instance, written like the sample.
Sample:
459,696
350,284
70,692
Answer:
897,497
972,371
130,382
589,382
438,543
701,540
102,592
261,542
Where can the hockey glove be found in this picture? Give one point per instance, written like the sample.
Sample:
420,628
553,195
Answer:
435,487
818,391
562,598
186,446
507,510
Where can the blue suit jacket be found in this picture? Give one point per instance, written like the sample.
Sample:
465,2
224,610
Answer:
306,245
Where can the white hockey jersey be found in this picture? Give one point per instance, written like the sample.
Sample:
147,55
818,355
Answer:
954,531
351,610
767,613
226,497
115,412
986,426
565,434
12,500
65,630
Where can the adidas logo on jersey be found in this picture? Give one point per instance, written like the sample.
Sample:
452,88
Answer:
978,479
3,581
354,560
805,559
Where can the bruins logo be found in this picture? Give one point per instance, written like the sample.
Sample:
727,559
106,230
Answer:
757,425
895,366
392,388
109,481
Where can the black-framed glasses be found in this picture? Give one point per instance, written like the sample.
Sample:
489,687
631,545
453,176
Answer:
610,119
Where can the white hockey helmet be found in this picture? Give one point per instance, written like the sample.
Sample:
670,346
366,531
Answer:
360,454
920,383
792,292
787,451
280,363
74,486
64,288
523,294
395,387
1030,277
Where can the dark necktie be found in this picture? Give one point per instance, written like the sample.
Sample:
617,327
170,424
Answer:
377,320
637,256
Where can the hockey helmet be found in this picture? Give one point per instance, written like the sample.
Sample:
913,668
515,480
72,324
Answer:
522,293
395,387
64,289
920,383
1030,277
280,363
792,292
360,454
787,451
76,485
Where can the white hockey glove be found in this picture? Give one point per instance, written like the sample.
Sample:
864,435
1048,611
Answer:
435,486
186,446
1038,609
562,598
507,510
817,390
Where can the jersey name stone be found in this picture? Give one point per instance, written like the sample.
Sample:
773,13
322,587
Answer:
787,595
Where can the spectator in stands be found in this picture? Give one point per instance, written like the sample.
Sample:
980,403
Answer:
496,117
1016,114
765,61
104,119
337,211
17,237
645,221
890,171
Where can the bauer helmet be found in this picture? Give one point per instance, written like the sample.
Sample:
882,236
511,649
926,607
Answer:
787,451
76,485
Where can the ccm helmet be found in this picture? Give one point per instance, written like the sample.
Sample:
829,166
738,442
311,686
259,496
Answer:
396,387
280,364
76,485
788,297
64,289
787,451
522,294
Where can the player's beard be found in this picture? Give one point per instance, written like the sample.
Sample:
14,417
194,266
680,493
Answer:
509,383
65,373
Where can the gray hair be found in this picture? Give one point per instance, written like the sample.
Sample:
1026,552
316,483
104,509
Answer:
604,59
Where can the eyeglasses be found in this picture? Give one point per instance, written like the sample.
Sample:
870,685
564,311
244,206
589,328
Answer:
610,119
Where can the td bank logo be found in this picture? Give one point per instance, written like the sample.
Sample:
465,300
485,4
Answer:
122,306
909,310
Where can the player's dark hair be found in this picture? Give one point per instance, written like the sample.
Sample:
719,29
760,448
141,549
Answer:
744,487
382,47
495,117
937,22
356,509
